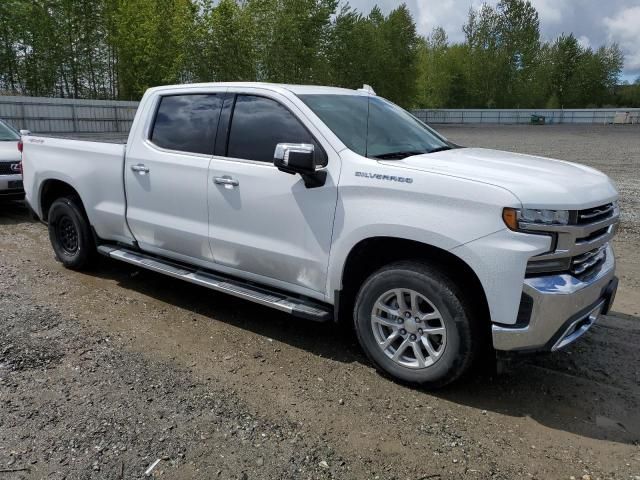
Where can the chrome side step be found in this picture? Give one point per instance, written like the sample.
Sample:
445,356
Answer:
295,306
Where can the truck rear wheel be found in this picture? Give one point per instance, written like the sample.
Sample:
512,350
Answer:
70,233
413,324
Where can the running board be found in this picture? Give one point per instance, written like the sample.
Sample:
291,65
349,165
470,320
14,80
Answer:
295,306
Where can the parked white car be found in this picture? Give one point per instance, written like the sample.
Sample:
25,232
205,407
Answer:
335,204
10,167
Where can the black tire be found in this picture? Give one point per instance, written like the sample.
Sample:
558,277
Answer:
463,337
70,233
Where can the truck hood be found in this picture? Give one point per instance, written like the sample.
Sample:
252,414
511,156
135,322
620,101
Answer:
9,151
538,182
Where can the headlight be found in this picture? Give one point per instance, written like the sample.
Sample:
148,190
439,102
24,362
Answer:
514,218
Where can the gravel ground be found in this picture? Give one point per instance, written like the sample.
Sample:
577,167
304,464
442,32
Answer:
103,373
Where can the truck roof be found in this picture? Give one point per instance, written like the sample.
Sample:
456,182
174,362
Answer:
296,89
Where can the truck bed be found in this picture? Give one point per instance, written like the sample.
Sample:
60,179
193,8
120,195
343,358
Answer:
94,169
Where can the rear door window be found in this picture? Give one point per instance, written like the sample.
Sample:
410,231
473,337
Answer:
187,123
259,124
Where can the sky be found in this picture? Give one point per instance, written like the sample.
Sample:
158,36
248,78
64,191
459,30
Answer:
593,22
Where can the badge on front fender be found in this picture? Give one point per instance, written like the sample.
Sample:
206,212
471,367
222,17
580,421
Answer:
390,178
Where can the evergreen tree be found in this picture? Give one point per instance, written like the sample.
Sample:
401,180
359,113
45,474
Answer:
119,48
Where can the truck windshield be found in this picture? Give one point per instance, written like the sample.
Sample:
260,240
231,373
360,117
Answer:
374,127
8,134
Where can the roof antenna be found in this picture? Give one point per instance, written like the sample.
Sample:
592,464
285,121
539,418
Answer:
367,89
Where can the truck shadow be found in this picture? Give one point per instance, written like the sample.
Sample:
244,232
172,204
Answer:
324,339
591,389
14,213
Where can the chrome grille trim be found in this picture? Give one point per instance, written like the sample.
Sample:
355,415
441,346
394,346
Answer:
582,263
589,255
594,212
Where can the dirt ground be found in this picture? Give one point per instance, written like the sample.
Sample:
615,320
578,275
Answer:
103,373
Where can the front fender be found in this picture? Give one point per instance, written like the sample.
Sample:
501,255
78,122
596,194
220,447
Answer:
342,248
500,261
390,201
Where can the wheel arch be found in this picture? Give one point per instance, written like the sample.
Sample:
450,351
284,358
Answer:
51,190
370,254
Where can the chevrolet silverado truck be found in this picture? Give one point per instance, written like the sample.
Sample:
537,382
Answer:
337,205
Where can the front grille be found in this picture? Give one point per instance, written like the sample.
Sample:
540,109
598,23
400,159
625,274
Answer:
5,168
585,264
592,215
592,236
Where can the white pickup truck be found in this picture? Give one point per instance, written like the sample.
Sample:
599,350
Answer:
335,204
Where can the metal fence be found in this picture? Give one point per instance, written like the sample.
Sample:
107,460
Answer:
62,115
583,116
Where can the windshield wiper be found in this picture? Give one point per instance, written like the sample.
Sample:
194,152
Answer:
440,149
408,153
398,155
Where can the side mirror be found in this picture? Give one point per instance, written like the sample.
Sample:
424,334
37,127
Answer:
299,158
294,158
25,132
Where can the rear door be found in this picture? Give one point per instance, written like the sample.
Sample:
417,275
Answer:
166,176
265,224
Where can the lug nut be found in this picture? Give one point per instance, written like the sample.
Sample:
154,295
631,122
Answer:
407,314
403,332
420,331
412,337
418,320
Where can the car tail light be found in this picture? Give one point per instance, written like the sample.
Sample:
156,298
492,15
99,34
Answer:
20,146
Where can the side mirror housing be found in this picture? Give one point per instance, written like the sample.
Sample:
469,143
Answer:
25,132
295,158
299,158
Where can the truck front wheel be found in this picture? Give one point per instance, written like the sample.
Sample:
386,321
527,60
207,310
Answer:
70,233
413,324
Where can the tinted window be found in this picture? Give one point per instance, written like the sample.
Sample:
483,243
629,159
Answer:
187,123
259,124
374,127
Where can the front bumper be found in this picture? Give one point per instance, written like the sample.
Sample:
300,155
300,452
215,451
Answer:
11,187
563,308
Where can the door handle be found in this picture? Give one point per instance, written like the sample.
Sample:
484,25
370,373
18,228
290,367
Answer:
226,181
140,168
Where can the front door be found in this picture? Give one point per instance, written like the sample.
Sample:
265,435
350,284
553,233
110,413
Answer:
265,224
166,177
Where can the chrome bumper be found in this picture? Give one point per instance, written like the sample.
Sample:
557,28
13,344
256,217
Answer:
563,309
6,181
